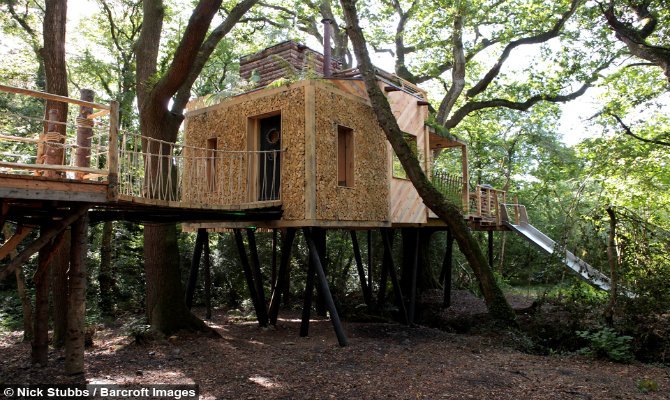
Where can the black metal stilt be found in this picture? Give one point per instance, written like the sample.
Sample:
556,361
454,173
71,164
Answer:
394,279
287,238
261,314
325,289
447,266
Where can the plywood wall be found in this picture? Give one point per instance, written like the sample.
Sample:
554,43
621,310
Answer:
406,205
228,122
367,199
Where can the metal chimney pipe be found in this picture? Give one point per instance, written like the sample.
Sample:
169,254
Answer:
326,47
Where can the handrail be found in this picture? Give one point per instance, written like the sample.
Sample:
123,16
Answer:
53,97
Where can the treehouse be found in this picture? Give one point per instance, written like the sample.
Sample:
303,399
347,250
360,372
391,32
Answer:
314,148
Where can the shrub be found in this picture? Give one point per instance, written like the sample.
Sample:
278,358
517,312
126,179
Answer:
607,343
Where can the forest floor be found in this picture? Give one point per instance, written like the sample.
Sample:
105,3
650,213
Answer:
383,360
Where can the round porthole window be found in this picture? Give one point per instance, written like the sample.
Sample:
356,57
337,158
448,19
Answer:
272,136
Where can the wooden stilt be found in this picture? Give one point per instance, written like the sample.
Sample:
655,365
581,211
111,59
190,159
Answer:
391,271
325,290
40,342
195,266
361,271
256,270
282,277
76,305
447,266
248,275
43,240
208,279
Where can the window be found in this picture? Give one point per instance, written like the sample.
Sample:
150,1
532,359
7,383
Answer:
398,170
345,156
211,164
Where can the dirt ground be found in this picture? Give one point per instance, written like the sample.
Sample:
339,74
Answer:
383,360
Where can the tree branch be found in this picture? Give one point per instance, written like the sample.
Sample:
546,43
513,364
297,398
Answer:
629,132
634,39
535,39
457,72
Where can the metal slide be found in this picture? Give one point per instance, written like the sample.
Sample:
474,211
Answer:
547,245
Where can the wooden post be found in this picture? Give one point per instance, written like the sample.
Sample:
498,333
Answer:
260,309
54,138
325,290
287,238
516,210
478,196
256,270
84,133
394,279
359,266
208,280
195,266
113,152
76,306
466,179
447,266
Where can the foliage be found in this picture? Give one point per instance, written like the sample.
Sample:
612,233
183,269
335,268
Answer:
606,342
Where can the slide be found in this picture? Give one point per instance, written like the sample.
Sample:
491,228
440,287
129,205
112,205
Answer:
546,244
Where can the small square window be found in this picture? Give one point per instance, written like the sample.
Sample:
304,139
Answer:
398,170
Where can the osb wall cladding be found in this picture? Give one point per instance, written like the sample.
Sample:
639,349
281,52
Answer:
229,124
367,200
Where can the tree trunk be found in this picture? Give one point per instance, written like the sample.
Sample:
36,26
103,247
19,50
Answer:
106,275
613,261
448,212
166,309
59,290
76,305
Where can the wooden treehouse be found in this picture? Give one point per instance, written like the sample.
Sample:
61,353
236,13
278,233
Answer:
307,153
321,155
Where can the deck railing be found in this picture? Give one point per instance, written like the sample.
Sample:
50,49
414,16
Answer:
450,185
160,171
45,145
485,202
135,167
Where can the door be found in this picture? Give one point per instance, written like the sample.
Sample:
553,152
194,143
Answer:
269,158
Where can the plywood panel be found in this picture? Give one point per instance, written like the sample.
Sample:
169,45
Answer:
228,123
367,198
406,205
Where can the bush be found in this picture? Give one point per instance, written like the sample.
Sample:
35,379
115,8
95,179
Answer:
607,343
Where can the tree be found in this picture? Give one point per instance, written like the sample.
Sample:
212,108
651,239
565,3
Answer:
167,312
447,211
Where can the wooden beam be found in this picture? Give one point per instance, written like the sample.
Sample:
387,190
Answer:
11,243
113,153
53,167
325,290
310,151
422,103
388,89
43,240
52,97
